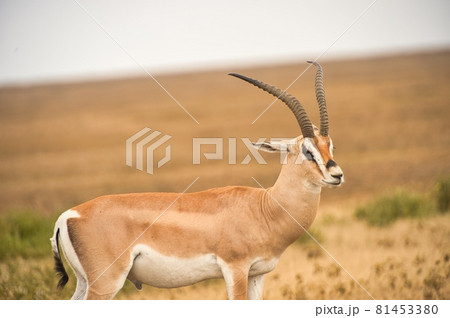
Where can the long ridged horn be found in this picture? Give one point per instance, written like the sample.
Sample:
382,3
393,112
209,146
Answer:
293,104
320,95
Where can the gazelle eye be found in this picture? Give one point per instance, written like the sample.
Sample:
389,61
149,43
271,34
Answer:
308,154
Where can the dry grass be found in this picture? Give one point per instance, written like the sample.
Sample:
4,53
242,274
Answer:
63,144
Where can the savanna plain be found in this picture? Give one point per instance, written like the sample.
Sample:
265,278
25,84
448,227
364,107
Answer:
388,225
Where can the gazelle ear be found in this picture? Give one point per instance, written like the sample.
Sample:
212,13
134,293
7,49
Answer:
267,146
276,146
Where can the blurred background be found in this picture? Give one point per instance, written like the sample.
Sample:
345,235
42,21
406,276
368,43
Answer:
49,41
77,78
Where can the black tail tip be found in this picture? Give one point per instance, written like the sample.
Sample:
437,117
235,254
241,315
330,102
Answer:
60,272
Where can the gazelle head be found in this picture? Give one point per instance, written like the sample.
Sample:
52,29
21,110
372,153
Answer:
312,152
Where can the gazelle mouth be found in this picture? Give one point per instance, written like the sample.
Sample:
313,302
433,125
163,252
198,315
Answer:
333,183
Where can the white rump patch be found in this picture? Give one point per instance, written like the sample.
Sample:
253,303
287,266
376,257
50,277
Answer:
70,254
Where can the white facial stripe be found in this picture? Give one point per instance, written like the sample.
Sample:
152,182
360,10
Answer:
311,147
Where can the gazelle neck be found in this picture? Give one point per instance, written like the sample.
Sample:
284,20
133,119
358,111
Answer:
291,197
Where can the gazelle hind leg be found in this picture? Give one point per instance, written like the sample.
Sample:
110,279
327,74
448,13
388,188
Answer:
104,288
108,284
80,291
255,287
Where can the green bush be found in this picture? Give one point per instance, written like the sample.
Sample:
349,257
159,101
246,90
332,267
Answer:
442,194
25,234
386,209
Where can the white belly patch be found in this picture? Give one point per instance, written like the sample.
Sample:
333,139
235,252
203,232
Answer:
261,266
155,269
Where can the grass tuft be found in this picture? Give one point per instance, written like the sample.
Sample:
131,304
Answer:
387,209
441,194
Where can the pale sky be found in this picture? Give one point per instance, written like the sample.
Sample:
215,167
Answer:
52,40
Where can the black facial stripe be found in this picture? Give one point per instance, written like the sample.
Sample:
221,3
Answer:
331,163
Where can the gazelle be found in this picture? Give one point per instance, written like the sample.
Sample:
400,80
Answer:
172,240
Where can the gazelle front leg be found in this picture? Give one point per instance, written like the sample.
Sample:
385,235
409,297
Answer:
255,287
236,279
